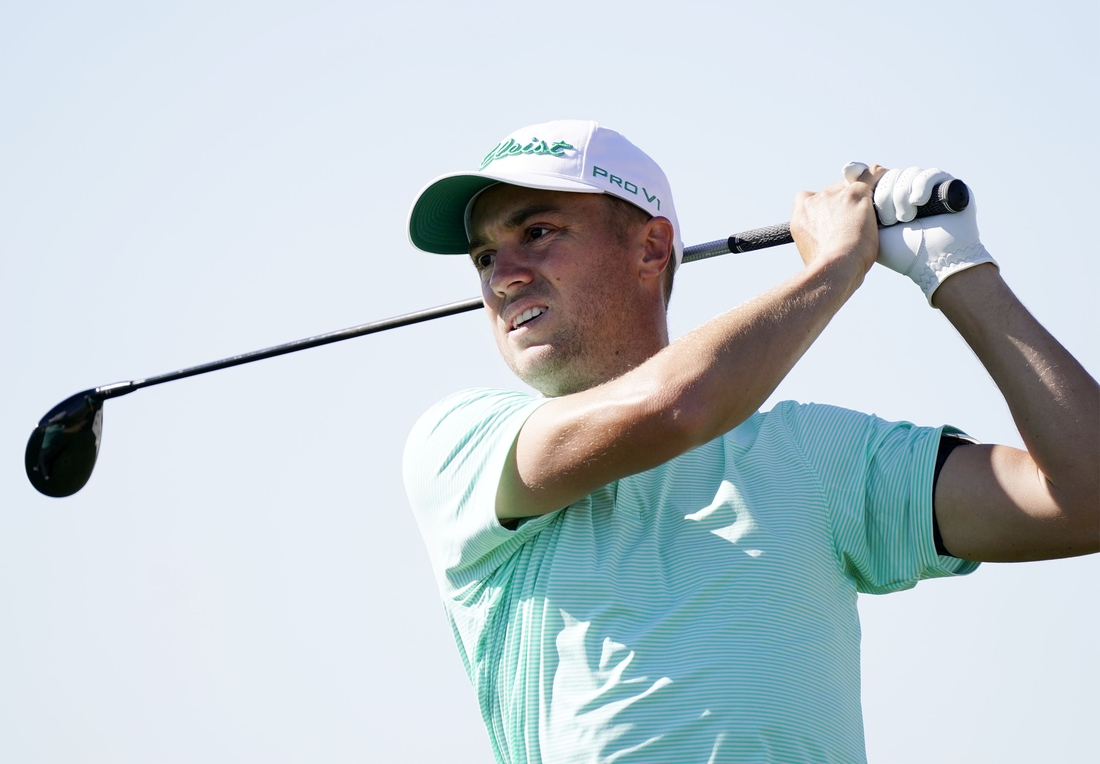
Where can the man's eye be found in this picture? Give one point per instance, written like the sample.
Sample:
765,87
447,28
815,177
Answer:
537,232
483,261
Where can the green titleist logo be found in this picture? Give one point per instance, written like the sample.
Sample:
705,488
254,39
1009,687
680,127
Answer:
510,149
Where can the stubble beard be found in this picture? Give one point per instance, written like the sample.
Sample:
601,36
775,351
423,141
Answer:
554,368
574,359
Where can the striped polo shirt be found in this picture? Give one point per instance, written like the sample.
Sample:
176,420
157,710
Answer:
702,611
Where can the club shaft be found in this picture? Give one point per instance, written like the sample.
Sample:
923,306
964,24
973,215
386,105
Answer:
698,252
293,347
951,196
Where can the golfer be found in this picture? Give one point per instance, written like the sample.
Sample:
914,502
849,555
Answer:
640,566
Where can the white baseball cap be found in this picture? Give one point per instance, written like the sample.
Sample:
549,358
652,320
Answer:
565,155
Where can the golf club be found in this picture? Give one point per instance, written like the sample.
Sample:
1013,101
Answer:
62,449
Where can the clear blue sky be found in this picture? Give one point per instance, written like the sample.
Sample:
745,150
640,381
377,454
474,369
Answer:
242,578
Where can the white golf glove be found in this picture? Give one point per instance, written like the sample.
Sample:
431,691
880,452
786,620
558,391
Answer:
930,249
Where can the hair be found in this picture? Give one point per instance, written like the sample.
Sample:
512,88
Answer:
625,218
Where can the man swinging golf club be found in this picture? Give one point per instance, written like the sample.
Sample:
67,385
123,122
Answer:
639,566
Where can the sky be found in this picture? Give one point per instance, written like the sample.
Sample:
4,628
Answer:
242,578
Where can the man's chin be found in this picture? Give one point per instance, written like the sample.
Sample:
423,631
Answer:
544,369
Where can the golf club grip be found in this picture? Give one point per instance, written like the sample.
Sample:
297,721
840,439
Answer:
948,196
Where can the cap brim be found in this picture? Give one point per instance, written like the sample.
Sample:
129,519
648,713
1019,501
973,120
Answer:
437,218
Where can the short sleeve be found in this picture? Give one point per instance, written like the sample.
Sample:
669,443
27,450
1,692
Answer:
453,460
877,477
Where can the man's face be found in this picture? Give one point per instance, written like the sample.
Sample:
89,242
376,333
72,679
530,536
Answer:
561,287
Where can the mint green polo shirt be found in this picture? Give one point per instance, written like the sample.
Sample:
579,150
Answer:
702,611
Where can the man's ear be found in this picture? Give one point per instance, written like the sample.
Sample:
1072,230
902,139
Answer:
657,247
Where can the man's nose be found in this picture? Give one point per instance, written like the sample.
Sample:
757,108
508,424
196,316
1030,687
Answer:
511,270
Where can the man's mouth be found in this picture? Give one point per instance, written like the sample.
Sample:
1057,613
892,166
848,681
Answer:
526,316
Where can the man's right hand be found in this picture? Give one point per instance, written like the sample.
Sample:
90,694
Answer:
838,224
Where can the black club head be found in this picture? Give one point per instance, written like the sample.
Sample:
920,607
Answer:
62,449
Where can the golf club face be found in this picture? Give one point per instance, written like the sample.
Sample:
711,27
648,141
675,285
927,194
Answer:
62,449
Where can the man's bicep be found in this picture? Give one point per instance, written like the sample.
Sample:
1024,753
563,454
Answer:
554,461
993,504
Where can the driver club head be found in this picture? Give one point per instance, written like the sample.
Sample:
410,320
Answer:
62,449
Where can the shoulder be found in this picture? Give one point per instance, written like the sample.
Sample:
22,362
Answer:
457,429
453,460
810,420
467,409
832,435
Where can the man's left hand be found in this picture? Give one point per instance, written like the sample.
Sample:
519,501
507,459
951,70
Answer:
927,250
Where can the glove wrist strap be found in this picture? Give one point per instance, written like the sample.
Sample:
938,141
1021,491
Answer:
929,272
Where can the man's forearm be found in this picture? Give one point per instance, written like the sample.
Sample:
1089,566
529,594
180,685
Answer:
1054,402
731,365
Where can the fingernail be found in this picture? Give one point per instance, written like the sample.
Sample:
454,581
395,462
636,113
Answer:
853,170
